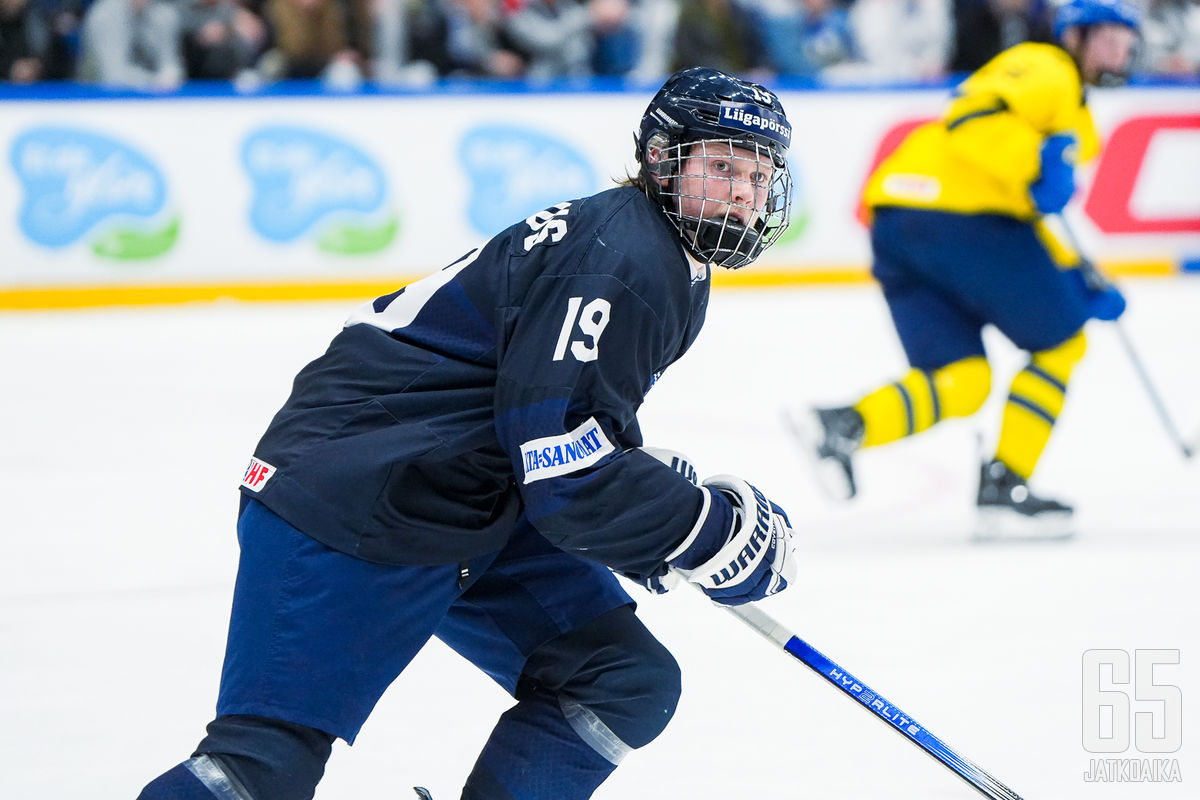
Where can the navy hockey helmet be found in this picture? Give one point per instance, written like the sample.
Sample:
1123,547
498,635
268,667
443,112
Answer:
712,151
1086,13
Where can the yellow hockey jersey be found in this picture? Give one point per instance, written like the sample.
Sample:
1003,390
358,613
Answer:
982,154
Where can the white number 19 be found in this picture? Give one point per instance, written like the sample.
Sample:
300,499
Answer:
592,321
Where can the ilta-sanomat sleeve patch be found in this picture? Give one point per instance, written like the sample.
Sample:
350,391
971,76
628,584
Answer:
552,456
257,474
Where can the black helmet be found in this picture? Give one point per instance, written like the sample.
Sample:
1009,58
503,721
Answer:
741,123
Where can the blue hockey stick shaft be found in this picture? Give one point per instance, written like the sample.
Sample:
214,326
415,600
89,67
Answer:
882,708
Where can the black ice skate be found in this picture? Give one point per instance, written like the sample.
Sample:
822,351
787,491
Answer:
422,793
1008,510
829,436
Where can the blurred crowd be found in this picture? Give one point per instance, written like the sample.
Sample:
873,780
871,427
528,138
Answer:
159,44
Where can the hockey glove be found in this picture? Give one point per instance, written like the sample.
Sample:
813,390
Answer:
1104,301
1053,189
756,560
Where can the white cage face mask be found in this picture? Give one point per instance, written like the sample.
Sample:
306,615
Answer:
728,199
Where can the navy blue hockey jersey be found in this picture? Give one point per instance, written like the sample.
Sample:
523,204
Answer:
505,384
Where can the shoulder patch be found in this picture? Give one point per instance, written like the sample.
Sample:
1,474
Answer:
551,456
257,474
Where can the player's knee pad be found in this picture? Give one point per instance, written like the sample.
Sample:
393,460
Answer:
199,778
617,685
1060,361
963,386
267,758
923,398
633,697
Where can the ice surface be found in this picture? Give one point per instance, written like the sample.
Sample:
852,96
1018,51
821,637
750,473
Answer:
124,432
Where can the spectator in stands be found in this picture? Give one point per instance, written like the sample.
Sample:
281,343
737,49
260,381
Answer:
561,38
898,40
802,38
462,38
361,22
392,58
311,39
984,28
390,51
1170,39
132,44
221,39
30,47
717,34
655,21
617,39
66,19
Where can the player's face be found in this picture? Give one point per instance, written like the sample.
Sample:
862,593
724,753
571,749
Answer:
1106,50
717,179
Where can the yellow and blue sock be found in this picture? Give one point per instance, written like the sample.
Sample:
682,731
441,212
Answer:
1034,402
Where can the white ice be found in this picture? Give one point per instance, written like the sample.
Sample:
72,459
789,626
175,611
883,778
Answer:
124,432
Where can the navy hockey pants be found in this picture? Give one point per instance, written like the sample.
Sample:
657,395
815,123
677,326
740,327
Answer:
945,276
316,636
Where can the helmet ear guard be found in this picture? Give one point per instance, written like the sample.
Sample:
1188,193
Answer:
654,160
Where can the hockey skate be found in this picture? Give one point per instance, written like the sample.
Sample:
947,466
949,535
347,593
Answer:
422,793
1008,510
829,437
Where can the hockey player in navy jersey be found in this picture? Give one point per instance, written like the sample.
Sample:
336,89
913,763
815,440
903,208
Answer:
464,462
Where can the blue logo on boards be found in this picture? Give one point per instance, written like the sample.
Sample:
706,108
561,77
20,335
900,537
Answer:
516,171
308,181
78,183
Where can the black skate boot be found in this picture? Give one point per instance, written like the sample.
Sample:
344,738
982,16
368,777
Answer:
422,793
830,436
1008,510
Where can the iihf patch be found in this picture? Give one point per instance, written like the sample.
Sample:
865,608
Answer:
552,456
257,474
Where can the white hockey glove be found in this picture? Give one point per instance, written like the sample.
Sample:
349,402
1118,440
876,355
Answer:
756,561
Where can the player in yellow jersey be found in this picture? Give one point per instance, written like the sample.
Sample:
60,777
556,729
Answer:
958,243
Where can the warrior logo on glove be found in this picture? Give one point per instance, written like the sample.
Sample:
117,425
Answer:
755,562
763,532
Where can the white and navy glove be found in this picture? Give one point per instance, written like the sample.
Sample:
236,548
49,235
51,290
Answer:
747,561
756,559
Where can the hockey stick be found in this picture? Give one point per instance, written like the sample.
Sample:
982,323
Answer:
1094,279
902,723
1186,451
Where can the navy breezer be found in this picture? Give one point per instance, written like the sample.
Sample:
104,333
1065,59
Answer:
316,636
945,276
